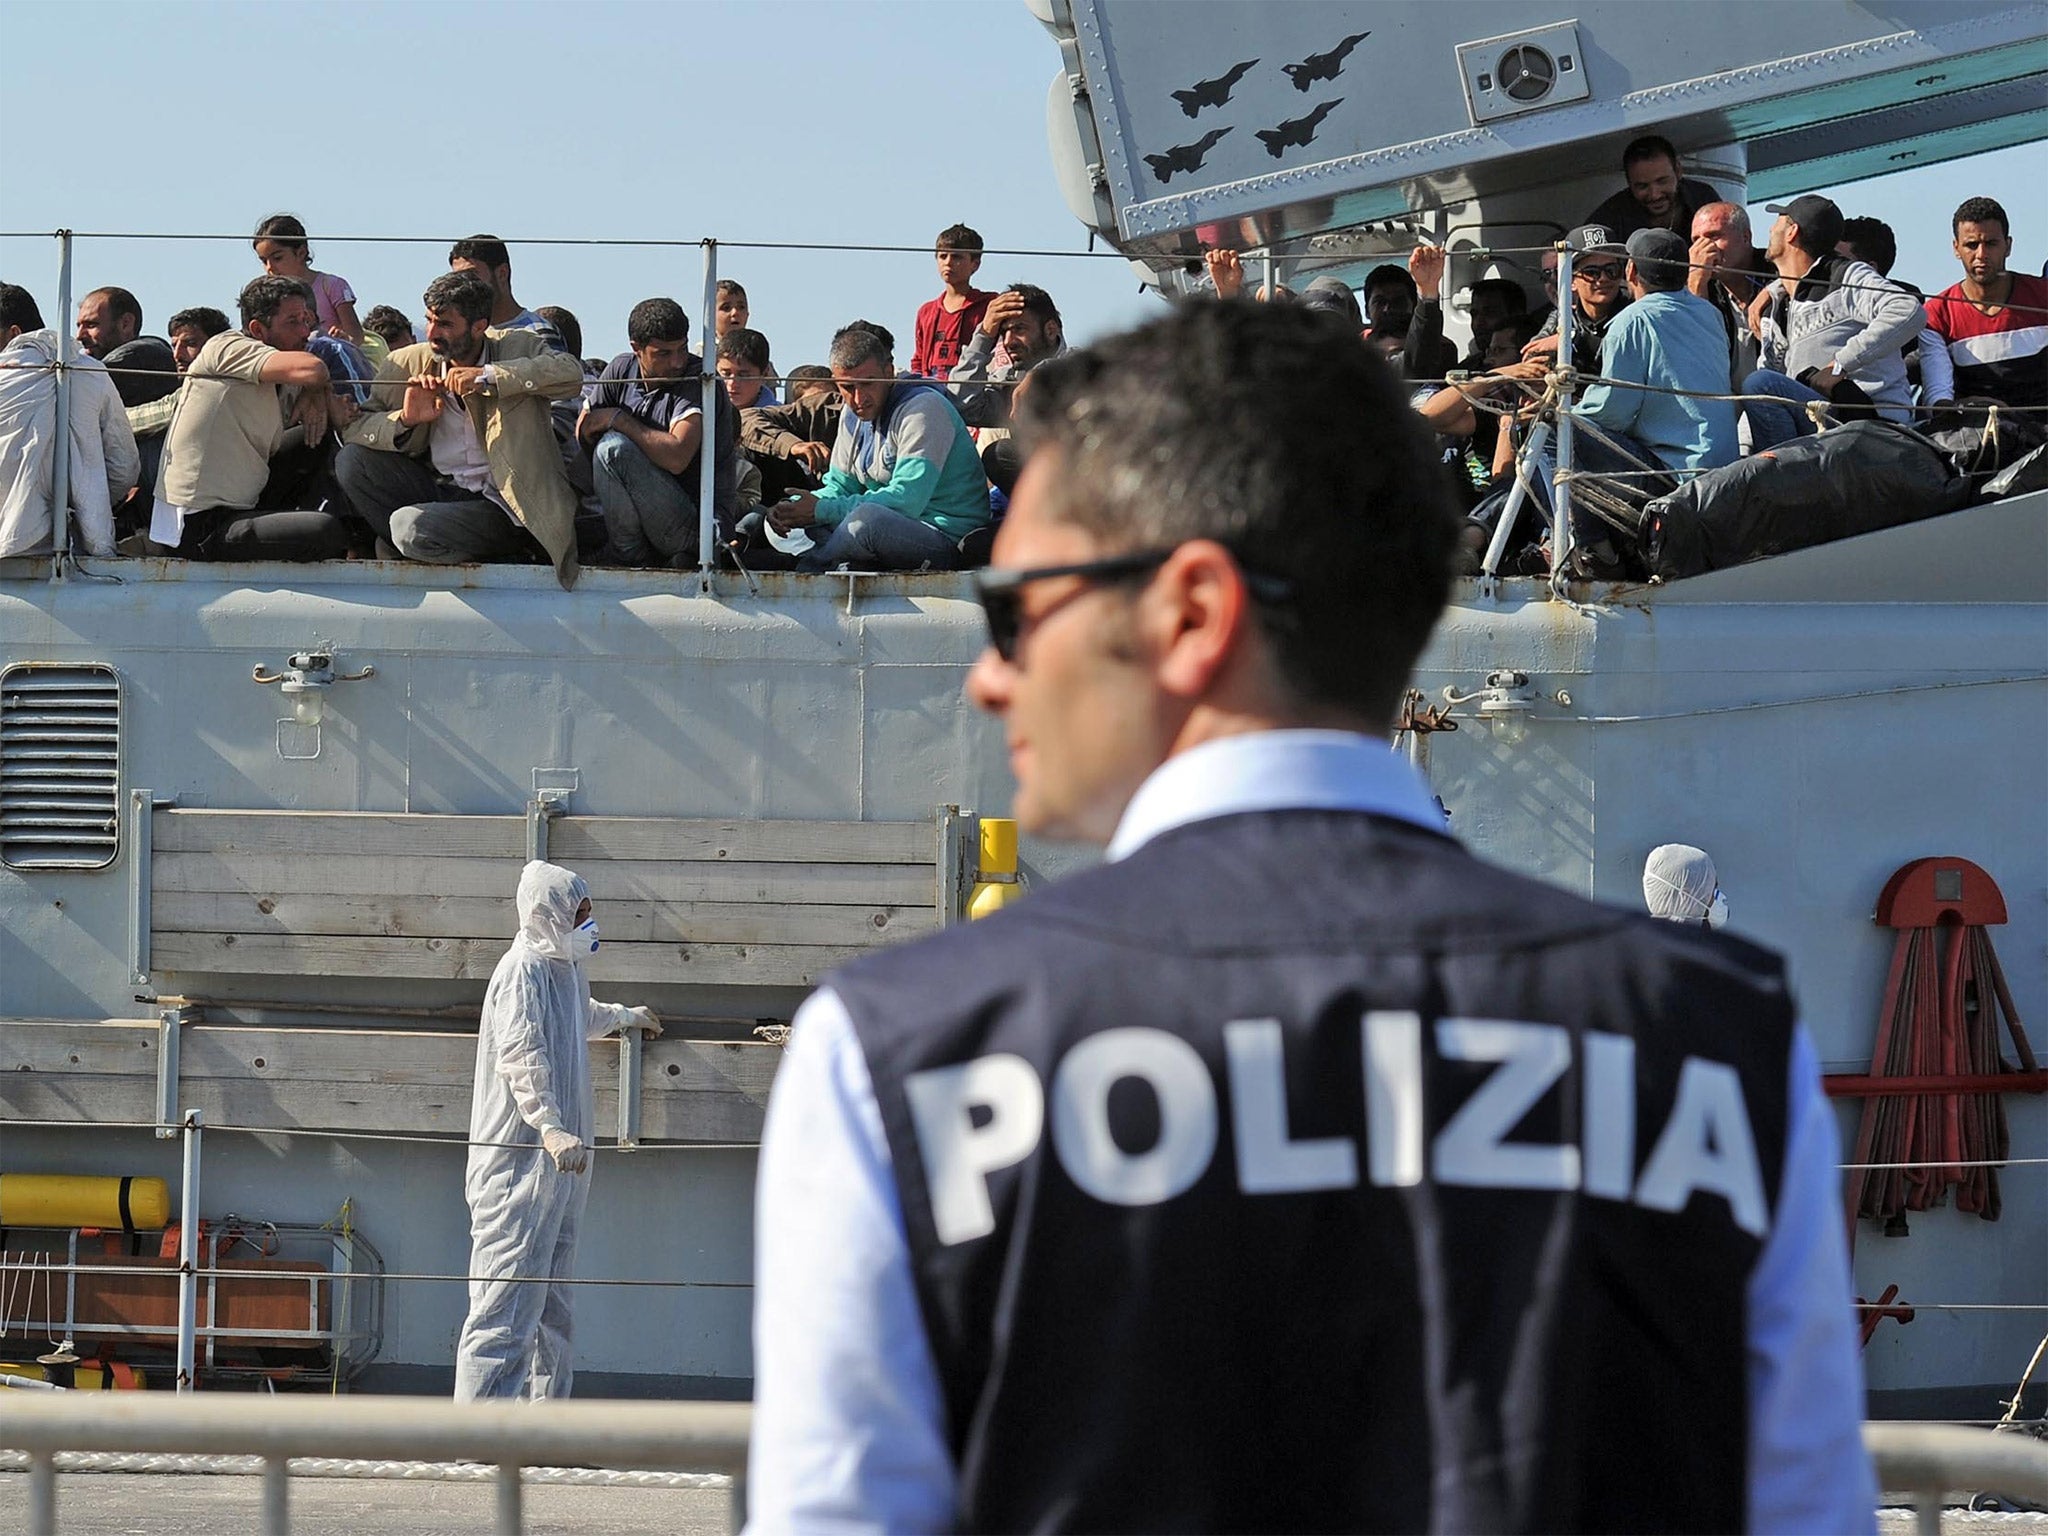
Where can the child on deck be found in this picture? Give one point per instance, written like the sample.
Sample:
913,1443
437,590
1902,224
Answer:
281,246
945,323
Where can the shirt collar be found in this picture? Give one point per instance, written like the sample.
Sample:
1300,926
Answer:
1275,771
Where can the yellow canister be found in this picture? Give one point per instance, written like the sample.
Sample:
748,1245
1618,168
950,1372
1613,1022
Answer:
82,1200
998,885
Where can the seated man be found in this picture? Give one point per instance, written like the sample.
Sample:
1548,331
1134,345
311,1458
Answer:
1992,326
644,427
905,484
1599,293
1727,271
190,330
1829,329
101,447
109,330
1022,328
1658,195
456,460
246,453
792,444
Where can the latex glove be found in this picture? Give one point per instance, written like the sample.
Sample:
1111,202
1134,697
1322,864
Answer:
569,1152
646,1020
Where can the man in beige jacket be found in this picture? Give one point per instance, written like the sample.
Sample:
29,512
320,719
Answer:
456,459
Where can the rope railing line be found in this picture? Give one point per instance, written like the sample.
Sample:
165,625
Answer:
1284,253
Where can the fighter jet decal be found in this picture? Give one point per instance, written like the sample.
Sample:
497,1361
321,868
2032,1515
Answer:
1184,157
1212,93
1323,66
1296,130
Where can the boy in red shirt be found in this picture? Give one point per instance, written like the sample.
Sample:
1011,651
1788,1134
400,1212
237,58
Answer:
945,323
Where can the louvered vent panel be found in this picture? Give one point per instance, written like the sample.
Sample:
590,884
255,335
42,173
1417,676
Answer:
60,767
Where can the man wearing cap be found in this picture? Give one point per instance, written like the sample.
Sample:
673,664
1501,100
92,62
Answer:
1829,329
1599,263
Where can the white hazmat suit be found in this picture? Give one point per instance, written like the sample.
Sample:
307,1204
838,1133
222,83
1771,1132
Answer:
1680,886
530,1128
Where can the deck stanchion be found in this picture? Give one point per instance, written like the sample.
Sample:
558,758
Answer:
510,1517
707,445
188,1254
1561,489
277,1496
42,1493
60,466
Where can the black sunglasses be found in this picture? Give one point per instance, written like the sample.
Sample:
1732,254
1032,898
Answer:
1000,592
1594,272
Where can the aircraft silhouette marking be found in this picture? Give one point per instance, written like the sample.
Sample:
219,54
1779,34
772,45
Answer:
1296,130
1184,157
1212,93
1323,66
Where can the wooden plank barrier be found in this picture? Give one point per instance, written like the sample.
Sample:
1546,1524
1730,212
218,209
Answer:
364,894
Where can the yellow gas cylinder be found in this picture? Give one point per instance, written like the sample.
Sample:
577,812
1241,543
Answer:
86,1376
80,1200
999,884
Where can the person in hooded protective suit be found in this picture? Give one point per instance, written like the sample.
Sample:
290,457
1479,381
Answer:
530,1128
1680,886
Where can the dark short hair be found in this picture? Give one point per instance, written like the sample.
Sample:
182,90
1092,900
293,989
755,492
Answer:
861,342
262,297
727,287
1980,210
1038,303
487,249
388,323
120,302
570,327
18,308
1268,428
463,293
745,346
281,228
1506,288
807,373
1387,275
655,320
958,237
1873,241
209,321
1651,146
1522,327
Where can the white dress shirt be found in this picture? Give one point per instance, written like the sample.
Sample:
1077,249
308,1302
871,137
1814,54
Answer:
849,1421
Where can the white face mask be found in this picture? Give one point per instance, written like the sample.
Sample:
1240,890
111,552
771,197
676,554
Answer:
583,937
1717,912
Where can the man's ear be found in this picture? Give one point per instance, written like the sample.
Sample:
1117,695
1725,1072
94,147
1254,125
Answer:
1200,613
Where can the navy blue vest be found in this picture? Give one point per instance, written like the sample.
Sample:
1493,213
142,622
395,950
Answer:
1302,1172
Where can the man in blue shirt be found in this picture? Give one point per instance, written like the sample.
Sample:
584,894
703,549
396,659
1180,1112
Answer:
1293,1169
644,427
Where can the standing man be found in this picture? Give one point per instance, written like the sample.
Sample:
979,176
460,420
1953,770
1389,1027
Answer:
1293,1170
1658,194
485,257
1991,329
531,1124
456,459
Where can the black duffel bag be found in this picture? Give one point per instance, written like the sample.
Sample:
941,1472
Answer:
1848,480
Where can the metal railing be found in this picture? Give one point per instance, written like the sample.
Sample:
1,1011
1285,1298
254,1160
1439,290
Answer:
1928,1462
673,1437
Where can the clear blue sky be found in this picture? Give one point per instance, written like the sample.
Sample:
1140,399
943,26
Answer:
869,121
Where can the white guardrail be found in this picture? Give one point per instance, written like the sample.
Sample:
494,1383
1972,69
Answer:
672,1437
1929,1462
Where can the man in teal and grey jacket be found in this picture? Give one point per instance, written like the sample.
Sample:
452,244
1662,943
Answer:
905,483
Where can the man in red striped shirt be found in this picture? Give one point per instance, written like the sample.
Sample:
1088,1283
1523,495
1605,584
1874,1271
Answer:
1995,321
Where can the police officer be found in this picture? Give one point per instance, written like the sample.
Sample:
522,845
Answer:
1292,1170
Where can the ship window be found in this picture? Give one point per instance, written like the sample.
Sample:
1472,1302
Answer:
60,766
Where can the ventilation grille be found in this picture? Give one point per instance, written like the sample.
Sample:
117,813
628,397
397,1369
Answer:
60,767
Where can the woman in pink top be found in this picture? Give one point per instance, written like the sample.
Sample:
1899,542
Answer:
281,246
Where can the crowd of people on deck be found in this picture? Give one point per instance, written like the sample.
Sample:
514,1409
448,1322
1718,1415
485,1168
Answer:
313,432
